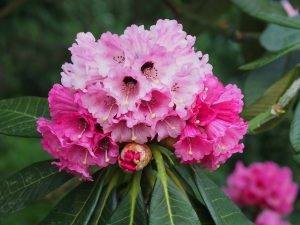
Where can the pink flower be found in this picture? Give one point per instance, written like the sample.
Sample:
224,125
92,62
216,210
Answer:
111,53
84,69
144,85
169,126
126,87
192,145
269,217
289,9
73,136
215,115
265,185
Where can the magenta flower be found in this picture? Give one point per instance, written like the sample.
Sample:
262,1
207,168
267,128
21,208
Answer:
214,119
73,135
269,217
265,185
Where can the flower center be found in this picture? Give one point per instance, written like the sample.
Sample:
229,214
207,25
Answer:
150,72
119,58
129,86
83,125
109,103
104,145
190,147
148,106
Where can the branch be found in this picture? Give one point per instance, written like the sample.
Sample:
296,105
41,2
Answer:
221,28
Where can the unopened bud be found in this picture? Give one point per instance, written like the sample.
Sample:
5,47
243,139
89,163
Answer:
134,157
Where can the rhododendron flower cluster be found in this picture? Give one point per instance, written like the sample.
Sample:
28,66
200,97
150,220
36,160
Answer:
141,86
265,186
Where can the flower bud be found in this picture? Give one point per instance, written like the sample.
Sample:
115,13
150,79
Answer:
134,157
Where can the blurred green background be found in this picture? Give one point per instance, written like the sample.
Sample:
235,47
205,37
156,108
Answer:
34,41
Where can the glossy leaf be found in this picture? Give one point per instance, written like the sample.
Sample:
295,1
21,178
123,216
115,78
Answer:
131,210
221,208
271,96
295,130
270,57
267,11
254,7
275,38
18,115
169,205
28,185
77,207
107,202
273,116
279,20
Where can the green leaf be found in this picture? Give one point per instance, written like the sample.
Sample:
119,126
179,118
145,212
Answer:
28,185
107,202
279,20
18,116
169,206
268,11
295,130
254,7
131,210
269,58
271,96
77,207
275,37
222,210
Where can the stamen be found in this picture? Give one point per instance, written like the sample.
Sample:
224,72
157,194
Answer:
109,111
170,125
222,148
153,115
190,147
84,162
129,83
197,121
106,156
57,150
133,137
206,89
84,128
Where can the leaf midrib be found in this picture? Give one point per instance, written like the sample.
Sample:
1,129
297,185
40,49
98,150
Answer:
163,177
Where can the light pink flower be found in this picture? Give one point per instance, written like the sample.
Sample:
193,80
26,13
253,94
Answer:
269,217
84,69
289,9
169,126
121,133
265,185
127,88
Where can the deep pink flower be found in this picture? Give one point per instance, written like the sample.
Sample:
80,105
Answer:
152,107
263,184
269,217
73,136
193,145
215,114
